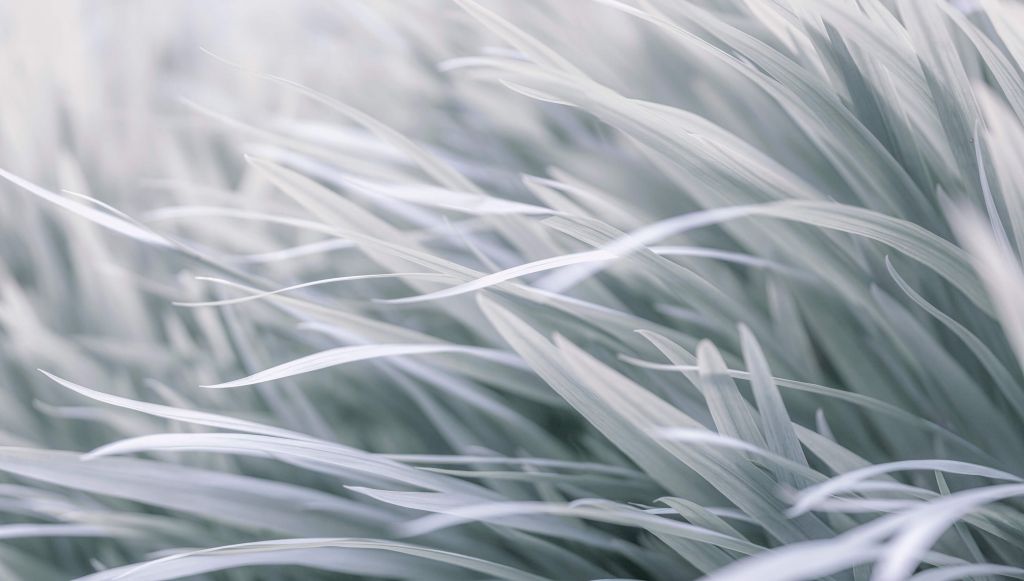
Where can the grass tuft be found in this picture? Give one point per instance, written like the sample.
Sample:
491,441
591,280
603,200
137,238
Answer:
505,289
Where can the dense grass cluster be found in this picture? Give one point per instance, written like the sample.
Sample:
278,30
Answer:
519,289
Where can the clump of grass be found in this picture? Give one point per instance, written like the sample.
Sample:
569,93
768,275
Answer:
646,289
